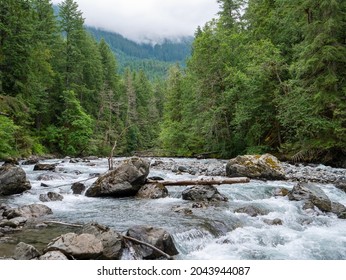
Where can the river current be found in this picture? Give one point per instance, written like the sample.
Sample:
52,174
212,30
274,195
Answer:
210,233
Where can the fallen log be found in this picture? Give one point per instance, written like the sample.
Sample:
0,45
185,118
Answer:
203,181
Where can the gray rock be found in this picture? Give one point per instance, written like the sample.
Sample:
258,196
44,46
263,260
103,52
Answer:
338,209
28,211
341,184
255,166
152,191
53,255
203,193
78,188
124,181
157,237
25,251
13,223
51,196
44,167
13,180
312,193
274,222
83,246
112,241
252,210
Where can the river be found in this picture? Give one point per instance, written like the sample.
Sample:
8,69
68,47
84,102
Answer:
210,233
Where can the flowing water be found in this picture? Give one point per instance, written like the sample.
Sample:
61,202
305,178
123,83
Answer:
213,232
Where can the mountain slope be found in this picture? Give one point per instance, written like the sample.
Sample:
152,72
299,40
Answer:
153,59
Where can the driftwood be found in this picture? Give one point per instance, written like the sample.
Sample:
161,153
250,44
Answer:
207,181
169,257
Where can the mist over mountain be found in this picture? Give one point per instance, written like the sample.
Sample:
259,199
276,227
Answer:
153,57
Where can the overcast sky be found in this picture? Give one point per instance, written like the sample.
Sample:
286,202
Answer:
152,19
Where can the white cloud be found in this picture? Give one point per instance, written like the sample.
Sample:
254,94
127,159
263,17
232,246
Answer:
153,19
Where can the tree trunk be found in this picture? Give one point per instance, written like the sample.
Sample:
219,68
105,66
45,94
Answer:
212,181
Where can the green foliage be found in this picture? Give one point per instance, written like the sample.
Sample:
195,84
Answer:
76,126
7,137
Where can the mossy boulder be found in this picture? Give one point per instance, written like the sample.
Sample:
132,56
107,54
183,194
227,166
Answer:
256,167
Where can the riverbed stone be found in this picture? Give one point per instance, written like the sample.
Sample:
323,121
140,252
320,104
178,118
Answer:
28,211
203,193
152,191
51,196
112,241
311,193
252,210
339,209
13,180
44,167
341,184
157,237
124,181
25,251
79,246
256,167
53,255
78,188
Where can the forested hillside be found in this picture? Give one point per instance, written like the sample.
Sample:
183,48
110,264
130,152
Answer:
154,59
265,76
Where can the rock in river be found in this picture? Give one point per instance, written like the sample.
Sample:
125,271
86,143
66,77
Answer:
311,193
124,181
157,237
203,193
256,166
13,180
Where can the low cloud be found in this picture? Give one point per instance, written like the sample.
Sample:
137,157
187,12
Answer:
148,19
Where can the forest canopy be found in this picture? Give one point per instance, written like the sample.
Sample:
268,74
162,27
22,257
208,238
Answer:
263,76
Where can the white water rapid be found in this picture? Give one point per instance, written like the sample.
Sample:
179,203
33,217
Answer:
214,232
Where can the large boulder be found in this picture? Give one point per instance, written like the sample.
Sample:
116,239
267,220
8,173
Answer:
310,193
28,211
152,191
79,246
124,181
25,251
13,180
156,237
252,210
203,193
256,167
113,243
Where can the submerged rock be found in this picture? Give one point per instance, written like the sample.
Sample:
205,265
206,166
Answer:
124,181
252,210
13,180
44,167
51,196
157,237
256,166
78,188
203,193
152,191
